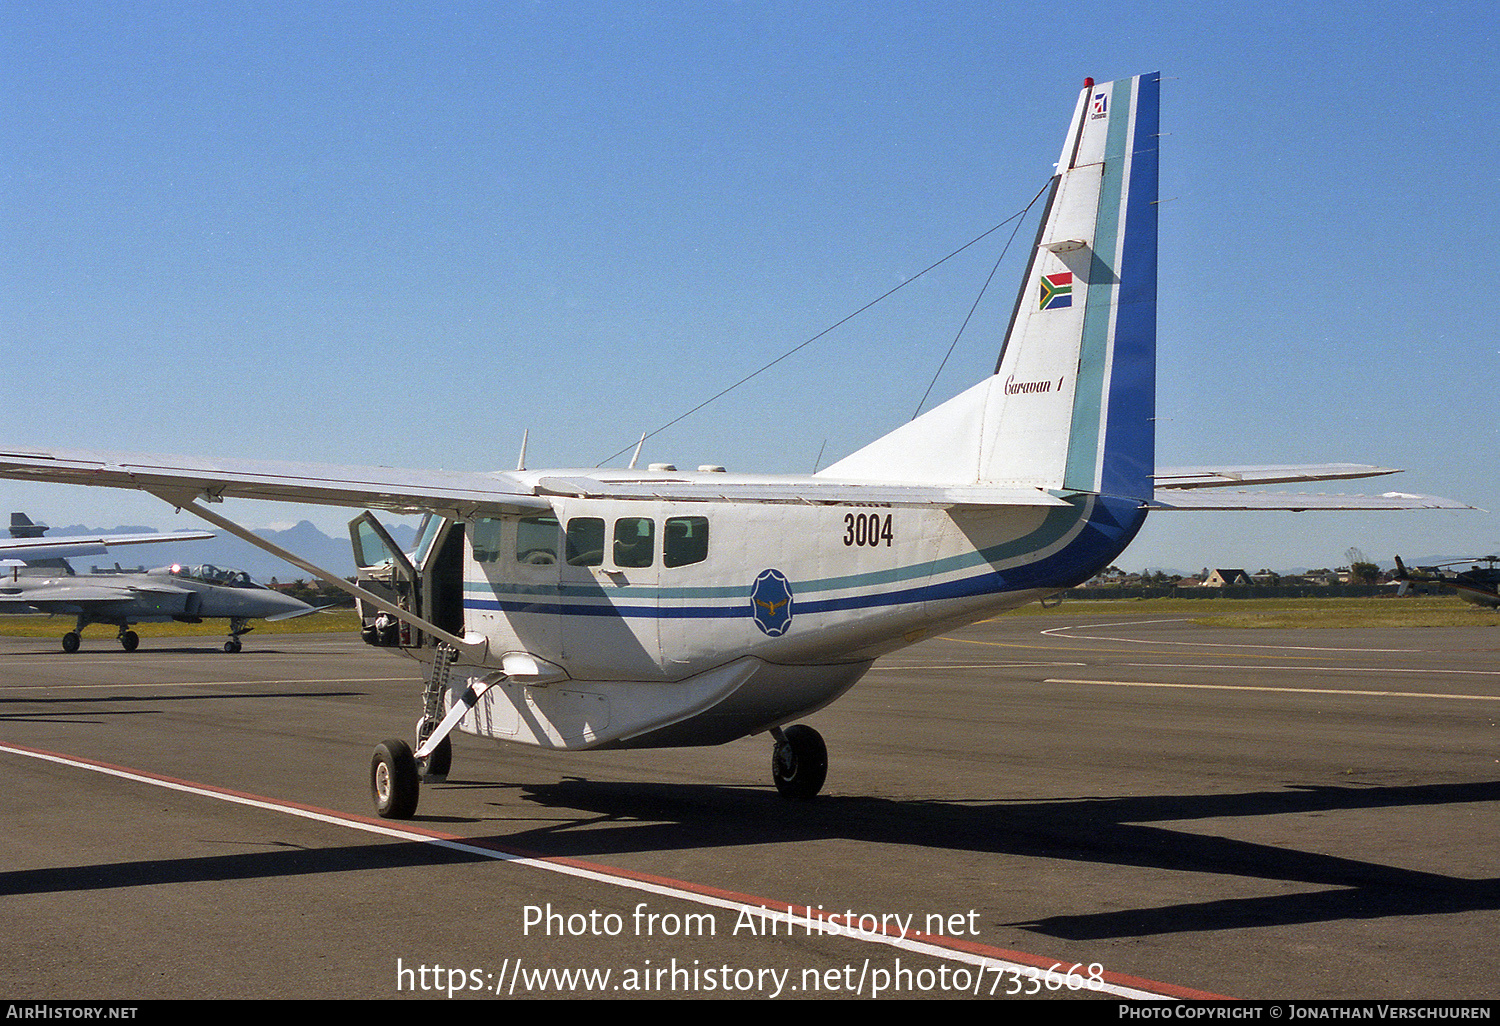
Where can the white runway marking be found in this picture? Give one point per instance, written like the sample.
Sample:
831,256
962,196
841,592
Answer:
1054,632
1256,687
991,960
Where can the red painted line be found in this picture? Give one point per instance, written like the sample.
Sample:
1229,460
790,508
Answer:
800,913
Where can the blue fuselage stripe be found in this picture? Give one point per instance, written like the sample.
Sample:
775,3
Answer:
1109,527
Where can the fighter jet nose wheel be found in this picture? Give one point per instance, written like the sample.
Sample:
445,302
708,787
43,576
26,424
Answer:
799,763
394,781
71,641
130,641
232,645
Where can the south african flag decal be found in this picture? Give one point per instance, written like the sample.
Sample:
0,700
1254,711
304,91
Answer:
1057,290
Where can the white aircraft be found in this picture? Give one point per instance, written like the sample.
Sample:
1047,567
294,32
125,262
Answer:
585,609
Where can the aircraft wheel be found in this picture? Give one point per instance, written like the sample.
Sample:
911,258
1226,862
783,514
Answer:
130,641
393,780
71,641
232,645
435,767
799,763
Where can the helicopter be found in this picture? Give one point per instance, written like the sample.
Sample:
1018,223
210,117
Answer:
1478,584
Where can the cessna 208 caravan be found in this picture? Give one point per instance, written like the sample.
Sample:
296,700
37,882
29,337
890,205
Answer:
609,608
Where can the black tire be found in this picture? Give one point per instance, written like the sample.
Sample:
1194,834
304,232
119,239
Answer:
799,765
394,784
232,645
130,641
71,641
437,765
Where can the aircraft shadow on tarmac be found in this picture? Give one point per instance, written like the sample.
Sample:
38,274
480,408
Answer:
92,710
110,649
602,819
1107,831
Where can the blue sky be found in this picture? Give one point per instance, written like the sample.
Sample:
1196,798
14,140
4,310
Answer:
403,234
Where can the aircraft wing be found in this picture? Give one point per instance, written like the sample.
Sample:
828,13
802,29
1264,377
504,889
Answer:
469,493
22,549
453,493
463,493
800,490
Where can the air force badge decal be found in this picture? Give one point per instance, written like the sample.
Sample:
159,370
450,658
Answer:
771,603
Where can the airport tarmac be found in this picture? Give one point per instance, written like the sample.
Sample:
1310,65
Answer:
1151,807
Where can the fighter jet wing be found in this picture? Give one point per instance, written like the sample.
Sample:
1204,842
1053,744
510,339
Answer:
454,493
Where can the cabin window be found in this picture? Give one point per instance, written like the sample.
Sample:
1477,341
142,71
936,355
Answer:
686,541
427,533
536,540
486,535
635,542
585,541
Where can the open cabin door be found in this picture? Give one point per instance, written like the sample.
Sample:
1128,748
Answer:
381,567
428,581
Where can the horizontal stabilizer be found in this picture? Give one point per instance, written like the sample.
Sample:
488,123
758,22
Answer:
1287,473
1222,499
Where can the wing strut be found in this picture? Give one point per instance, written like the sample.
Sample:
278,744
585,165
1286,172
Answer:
474,645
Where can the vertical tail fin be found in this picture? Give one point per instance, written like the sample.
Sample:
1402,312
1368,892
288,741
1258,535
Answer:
22,527
1071,405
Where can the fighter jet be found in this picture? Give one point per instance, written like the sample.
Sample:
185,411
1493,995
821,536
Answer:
38,576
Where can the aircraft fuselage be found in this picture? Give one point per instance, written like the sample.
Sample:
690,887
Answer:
582,607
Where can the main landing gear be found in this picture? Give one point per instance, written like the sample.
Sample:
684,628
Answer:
799,766
799,762
129,639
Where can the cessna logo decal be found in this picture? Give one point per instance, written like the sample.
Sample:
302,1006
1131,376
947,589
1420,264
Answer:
771,603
